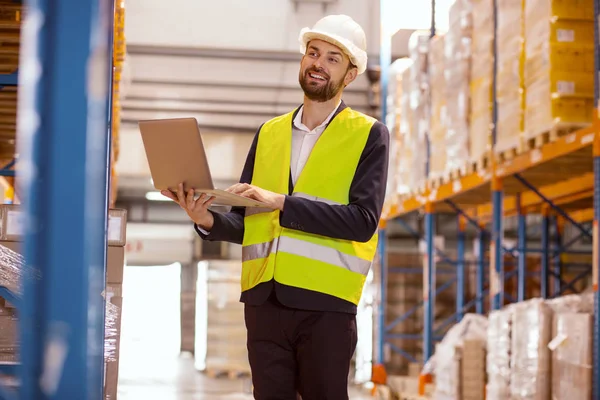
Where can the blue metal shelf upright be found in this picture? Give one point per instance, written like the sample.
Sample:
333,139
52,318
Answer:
556,182
63,138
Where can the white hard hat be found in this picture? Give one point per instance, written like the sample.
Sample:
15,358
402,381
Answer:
343,32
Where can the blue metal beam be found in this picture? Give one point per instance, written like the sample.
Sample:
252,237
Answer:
552,205
383,297
480,274
578,277
429,287
474,223
522,254
496,259
403,353
9,79
64,196
414,234
10,297
545,261
460,271
414,309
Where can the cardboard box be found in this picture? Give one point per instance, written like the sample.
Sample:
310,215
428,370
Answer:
572,356
12,227
11,222
115,264
117,227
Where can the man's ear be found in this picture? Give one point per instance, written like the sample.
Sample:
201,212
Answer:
351,75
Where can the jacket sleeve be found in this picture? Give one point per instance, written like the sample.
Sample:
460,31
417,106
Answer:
358,220
229,227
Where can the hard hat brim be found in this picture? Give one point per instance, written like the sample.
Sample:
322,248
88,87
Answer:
357,56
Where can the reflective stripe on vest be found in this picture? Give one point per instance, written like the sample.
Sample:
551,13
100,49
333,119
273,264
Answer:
293,257
285,244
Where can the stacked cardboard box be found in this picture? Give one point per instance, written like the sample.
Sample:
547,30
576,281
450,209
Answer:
420,106
115,263
405,151
473,374
14,266
510,80
499,344
437,138
460,370
559,64
482,63
398,123
530,356
572,356
458,78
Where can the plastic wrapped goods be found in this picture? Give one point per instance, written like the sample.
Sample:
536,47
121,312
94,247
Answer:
559,64
572,349
398,113
482,62
405,147
419,105
437,138
510,79
530,356
499,342
458,77
446,364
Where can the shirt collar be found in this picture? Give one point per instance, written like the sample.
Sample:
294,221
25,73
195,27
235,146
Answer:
298,120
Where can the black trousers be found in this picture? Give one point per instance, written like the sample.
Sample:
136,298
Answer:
299,352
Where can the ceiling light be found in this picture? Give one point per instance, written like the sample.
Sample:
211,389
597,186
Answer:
156,196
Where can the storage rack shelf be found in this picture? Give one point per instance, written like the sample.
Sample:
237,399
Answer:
560,180
57,57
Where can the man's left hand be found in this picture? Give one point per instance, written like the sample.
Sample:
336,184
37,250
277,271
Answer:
274,200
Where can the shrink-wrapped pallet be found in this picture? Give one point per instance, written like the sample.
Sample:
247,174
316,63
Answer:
482,63
559,65
437,138
420,106
405,149
458,73
510,81
530,356
447,364
499,342
572,356
394,119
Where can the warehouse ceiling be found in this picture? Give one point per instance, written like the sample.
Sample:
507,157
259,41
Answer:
230,64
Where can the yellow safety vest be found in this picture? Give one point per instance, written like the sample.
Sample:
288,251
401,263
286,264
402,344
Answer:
300,259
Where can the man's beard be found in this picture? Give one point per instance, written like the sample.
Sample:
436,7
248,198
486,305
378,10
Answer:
321,93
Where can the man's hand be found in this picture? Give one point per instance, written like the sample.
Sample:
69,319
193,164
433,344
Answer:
196,209
274,200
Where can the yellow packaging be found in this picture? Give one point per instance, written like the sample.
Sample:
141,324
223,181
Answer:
562,64
560,9
543,112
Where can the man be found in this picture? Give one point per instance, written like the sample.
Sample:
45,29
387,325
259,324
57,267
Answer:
322,169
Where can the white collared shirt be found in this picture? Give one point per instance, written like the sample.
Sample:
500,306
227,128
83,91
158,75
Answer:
303,141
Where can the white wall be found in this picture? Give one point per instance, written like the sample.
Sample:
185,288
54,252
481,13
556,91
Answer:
238,24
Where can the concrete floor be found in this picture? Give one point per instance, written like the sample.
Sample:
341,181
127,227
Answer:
176,379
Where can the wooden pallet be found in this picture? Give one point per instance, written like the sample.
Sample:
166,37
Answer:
550,135
478,165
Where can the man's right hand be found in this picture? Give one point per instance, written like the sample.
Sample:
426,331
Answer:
196,209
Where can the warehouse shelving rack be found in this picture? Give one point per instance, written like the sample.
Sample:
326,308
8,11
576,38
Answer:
559,180
64,81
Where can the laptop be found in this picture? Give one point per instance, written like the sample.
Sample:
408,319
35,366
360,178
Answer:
176,154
